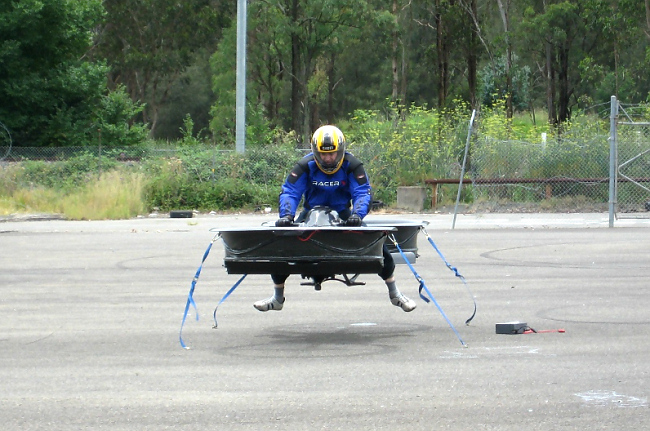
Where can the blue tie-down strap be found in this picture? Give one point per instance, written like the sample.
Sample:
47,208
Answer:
455,271
426,289
190,296
232,289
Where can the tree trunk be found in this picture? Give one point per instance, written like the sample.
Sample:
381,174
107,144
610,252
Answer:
394,61
550,79
443,55
404,74
306,99
550,85
647,18
563,81
503,10
331,76
472,59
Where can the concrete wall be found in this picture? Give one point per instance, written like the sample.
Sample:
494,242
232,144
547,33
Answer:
411,198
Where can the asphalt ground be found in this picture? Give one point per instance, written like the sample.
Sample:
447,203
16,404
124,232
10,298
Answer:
91,312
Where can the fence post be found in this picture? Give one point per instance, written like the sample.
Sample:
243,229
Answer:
613,159
462,170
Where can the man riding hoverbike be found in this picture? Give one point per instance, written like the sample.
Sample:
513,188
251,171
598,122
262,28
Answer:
329,177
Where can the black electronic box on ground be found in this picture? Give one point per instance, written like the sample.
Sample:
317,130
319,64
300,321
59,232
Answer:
511,328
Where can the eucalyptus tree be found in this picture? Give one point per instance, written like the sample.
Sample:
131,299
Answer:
647,18
576,42
292,59
316,29
453,29
268,70
504,12
620,65
555,26
150,43
266,95
374,64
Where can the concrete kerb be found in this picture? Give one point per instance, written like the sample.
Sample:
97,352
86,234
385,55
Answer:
46,223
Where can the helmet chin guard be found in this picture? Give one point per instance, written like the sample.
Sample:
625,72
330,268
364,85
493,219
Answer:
328,140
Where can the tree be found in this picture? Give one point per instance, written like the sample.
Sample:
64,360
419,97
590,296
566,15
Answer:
504,11
321,33
49,88
293,60
453,48
314,61
152,42
647,18
568,32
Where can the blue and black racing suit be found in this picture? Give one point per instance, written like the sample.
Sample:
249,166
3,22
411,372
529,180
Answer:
346,191
348,185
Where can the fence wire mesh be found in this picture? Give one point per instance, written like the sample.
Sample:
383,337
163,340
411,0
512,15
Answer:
560,173
565,172
633,164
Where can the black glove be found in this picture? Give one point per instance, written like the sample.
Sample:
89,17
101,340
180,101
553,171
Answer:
353,220
285,221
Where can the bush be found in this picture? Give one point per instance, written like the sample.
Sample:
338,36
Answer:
114,120
398,151
205,178
396,148
61,174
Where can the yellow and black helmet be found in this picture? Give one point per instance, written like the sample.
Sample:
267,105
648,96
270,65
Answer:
328,140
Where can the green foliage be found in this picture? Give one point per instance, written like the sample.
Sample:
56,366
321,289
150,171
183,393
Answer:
208,178
153,42
427,143
259,127
187,132
62,175
191,94
48,90
509,148
493,83
222,65
227,194
114,118
398,147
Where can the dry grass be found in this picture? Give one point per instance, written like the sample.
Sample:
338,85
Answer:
116,195
26,201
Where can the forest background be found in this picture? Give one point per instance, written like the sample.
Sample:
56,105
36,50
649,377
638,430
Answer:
401,78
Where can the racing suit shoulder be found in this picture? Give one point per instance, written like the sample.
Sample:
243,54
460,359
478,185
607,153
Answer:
301,167
355,167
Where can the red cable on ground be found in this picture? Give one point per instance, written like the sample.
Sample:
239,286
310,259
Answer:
542,331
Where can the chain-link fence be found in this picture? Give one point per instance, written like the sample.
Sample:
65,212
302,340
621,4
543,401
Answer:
182,166
52,154
501,175
568,171
559,173
632,138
